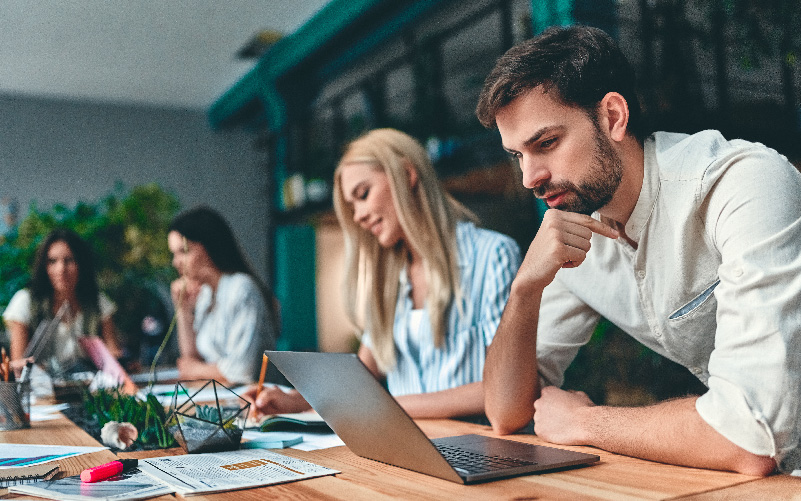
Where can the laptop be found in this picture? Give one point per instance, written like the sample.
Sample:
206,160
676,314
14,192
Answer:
373,425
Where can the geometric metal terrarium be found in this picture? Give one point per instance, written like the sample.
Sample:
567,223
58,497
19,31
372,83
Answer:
212,424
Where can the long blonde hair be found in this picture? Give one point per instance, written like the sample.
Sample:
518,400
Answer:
428,217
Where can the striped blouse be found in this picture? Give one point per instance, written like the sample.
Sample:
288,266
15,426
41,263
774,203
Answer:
488,262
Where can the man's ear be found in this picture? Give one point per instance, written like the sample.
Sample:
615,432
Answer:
412,173
614,115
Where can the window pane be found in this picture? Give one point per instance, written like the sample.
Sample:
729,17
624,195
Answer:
467,57
356,112
400,97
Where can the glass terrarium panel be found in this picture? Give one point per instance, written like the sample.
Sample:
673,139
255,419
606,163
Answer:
211,418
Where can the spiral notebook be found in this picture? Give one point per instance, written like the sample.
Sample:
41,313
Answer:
27,474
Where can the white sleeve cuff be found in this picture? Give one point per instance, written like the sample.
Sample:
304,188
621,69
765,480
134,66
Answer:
725,408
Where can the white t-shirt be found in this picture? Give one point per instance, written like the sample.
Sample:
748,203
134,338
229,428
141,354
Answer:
65,338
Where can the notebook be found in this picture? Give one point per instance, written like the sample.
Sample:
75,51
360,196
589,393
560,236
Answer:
307,421
374,426
27,474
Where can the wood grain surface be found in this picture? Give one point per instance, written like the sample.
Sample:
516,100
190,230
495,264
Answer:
613,478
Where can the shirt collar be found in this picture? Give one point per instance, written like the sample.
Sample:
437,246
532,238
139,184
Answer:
648,193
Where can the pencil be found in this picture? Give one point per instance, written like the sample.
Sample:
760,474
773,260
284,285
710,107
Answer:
6,365
264,360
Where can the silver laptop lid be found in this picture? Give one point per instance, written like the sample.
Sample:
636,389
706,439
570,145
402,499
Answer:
364,415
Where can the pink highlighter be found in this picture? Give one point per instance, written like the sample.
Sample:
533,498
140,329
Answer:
108,470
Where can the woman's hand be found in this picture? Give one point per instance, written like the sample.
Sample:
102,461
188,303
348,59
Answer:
18,364
195,368
184,294
273,400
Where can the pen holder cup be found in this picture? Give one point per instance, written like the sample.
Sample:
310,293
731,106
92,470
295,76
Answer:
207,421
15,405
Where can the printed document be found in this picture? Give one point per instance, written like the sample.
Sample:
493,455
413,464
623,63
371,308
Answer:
224,471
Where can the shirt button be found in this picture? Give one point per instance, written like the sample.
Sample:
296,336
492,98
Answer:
738,272
641,273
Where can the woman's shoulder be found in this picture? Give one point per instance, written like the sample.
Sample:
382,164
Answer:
237,279
238,285
471,237
19,308
21,295
106,305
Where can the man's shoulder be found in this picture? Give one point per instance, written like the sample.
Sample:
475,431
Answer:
673,148
687,156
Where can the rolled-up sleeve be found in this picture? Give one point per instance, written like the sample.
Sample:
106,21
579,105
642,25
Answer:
754,396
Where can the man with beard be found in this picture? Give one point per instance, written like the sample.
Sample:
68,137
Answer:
691,244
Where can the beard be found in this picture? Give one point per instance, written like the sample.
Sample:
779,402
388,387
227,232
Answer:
603,180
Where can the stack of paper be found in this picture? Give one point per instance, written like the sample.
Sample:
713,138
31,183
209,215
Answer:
131,485
224,471
27,454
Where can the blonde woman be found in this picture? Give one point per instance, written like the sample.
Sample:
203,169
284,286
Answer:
424,285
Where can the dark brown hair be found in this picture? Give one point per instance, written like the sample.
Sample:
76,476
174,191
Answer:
86,290
577,65
204,225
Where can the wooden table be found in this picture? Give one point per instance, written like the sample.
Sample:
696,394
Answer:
613,478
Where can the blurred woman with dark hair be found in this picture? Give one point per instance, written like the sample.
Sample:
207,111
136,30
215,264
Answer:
226,317
63,273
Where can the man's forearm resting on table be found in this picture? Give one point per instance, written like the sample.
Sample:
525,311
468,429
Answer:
669,432
511,382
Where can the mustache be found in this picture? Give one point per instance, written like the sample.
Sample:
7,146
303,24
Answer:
549,187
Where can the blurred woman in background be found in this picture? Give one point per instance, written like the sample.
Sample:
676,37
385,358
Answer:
226,318
63,276
424,286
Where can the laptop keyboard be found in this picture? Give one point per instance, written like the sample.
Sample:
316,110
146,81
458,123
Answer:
474,462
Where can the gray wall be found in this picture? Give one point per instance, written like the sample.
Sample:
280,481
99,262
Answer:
64,151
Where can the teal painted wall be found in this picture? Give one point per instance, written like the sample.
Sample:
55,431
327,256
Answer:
551,13
295,286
